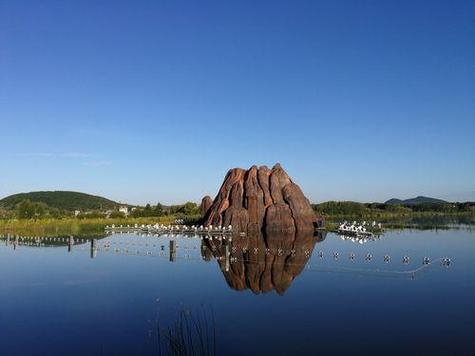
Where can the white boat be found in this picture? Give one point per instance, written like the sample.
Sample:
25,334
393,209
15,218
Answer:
353,229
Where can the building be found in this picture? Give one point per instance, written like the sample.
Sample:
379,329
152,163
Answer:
124,209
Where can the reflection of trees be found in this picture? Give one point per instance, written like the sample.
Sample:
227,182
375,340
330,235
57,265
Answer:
262,263
427,222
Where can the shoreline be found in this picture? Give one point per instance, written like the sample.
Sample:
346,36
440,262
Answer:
88,227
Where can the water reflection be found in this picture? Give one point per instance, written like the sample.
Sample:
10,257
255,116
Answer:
256,262
69,242
360,239
366,289
262,263
427,222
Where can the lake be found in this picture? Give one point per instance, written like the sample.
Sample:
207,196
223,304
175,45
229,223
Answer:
407,292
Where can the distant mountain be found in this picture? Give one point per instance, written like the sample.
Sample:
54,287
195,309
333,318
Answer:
61,200
415,201
394,201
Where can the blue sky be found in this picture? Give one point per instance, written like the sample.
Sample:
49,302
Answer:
147,101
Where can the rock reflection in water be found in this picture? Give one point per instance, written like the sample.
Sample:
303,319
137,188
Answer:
262,263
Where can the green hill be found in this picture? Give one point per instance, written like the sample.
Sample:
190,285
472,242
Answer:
415,201
61,200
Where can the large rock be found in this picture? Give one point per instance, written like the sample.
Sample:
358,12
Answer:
206,203
261,199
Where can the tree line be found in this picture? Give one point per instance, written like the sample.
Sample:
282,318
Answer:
351,208
187,209
27,209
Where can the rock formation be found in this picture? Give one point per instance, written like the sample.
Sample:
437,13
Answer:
206,203
261,199
262,264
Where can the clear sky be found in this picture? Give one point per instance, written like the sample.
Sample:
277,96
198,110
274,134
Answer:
147,101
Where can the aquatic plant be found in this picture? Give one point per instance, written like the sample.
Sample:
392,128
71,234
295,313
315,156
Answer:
190,334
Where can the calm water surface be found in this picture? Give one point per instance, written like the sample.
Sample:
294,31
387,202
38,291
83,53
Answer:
303,295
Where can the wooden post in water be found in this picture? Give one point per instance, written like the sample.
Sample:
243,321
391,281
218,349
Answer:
70,243
227,255
93,248
172,250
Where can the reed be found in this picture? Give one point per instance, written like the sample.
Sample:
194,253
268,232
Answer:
70,226
192,333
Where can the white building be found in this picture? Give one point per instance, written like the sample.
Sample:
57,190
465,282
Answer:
124,209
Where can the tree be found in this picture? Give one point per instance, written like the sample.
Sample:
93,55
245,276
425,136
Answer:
189,208
30,210
117,215
158,210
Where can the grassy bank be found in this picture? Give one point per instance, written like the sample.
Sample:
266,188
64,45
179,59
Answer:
95,227
71,226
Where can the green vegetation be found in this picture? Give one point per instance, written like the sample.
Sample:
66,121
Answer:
70,213
52,213
29,210
61,200
378,210
70,226
420,216
189,211
63,204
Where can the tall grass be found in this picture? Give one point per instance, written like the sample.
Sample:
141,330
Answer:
71,226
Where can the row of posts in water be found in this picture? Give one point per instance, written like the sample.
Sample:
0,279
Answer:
16,240
227,255
173,229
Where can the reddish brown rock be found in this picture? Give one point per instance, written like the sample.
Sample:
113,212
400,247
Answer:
206,203
222,201
261,199
297,202
264,174
279,219
262,263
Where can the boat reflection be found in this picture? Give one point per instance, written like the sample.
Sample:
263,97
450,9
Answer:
360,239
262,263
